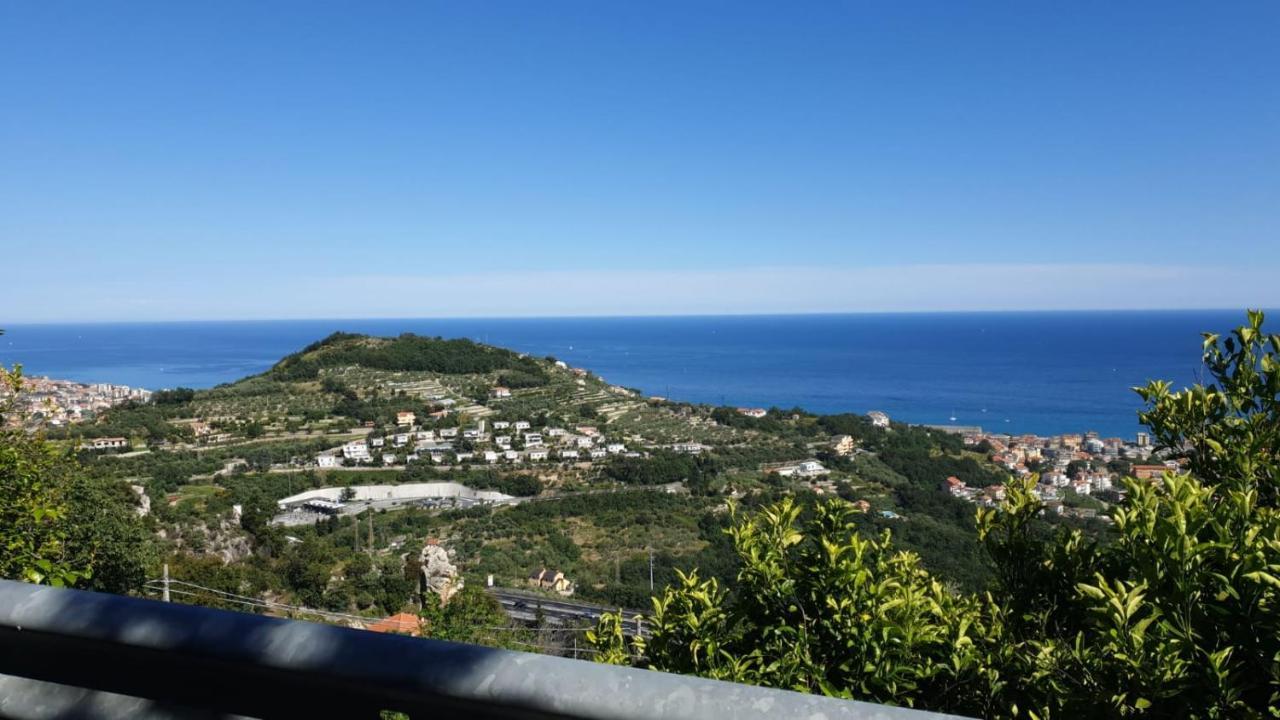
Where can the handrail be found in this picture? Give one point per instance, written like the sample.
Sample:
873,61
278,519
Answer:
71,653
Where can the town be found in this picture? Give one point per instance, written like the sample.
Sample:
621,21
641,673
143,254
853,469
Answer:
56,403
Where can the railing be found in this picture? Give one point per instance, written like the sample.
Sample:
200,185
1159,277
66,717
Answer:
75,654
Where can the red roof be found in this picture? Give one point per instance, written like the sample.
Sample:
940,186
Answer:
402,623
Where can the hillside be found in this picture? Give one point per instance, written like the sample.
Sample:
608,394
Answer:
613,475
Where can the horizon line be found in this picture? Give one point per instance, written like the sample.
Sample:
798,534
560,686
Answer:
638,316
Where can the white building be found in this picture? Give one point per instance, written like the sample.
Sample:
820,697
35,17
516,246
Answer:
356,450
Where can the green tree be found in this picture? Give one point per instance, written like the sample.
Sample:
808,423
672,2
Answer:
472,616
33,503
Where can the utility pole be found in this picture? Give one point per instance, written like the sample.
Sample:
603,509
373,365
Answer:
650,571
165,595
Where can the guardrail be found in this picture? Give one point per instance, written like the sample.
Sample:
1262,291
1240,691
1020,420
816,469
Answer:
74,654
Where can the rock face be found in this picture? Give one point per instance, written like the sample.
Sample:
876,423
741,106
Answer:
144,500
437,574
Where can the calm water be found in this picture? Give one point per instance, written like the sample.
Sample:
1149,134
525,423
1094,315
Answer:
1022,372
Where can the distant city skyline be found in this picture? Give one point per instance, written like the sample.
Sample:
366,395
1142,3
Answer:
292,160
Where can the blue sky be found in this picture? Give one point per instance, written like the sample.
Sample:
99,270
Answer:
254,160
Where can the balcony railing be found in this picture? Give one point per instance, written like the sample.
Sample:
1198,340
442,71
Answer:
75,654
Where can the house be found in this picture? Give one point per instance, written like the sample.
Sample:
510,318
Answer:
399,624
584,442
691,448
425,436
588,430
807,468
376,442
501,424
356,450
500,392
401,439
521,425
553,580
568,454
955,486
326,461
878,419
511,455
538,455
753,412
843,444
532,439
405,417
615,448
449,432
503,440
109,443
598,453
810,468
555,432
388,458
1148,472
490,456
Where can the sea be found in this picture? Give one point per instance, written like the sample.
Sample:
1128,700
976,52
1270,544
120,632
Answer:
1023,372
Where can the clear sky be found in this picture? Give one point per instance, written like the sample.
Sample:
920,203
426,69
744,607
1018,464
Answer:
321,159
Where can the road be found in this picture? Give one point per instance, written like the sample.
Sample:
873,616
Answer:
525,606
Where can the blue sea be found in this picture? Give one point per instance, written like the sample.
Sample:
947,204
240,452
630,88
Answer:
1045,373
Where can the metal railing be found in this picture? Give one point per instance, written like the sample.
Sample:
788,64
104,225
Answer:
75,654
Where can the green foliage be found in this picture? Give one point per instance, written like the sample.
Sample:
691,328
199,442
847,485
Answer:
176,396
57,524
1177,615
820,608
660,468
407,352
471,616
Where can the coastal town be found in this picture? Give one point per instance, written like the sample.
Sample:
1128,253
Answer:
1071,467
57,403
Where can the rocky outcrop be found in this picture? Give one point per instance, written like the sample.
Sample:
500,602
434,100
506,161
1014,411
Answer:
437,574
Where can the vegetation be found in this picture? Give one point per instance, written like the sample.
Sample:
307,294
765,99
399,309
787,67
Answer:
58,525
1175,616
406,352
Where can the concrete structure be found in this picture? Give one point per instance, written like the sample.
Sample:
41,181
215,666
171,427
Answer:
393,494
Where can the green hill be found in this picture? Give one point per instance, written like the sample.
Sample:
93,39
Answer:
411,353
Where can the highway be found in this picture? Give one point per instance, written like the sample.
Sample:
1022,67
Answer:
524,606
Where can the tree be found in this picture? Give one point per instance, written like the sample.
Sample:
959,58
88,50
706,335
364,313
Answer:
33,505
472,616
1177,615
